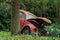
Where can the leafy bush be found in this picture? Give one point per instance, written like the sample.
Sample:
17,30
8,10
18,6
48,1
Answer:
4,16
54,29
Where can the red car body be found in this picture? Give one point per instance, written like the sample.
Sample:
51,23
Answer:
26,17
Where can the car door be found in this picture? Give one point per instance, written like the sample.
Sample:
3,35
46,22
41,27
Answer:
22,19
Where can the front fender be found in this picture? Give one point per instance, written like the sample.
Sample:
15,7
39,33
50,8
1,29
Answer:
32,27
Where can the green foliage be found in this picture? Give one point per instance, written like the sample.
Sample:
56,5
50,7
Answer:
4,15
6,36
44,8
54,29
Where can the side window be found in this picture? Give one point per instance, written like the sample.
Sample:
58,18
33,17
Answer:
21,15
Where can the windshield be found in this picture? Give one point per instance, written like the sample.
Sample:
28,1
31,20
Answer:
22,15
30,15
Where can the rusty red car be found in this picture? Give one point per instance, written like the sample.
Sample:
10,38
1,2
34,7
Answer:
29,23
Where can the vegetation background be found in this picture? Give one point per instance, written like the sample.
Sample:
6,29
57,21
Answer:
43,8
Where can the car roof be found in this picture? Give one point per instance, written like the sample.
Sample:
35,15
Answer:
26,12
23,11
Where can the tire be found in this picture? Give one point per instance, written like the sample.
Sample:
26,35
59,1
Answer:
26,31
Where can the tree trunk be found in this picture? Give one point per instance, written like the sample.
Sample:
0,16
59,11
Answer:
15,23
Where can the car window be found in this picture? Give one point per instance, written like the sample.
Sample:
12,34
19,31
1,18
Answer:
21,15
28,16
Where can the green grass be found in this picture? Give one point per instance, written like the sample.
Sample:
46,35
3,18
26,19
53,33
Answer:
6,36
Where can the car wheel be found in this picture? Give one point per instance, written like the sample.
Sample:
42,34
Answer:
26,30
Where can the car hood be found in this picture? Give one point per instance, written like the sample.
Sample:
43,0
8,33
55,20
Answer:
41,19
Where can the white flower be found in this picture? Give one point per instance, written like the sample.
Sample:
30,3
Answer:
52,29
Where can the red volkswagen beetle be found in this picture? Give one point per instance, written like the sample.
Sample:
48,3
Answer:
29,23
